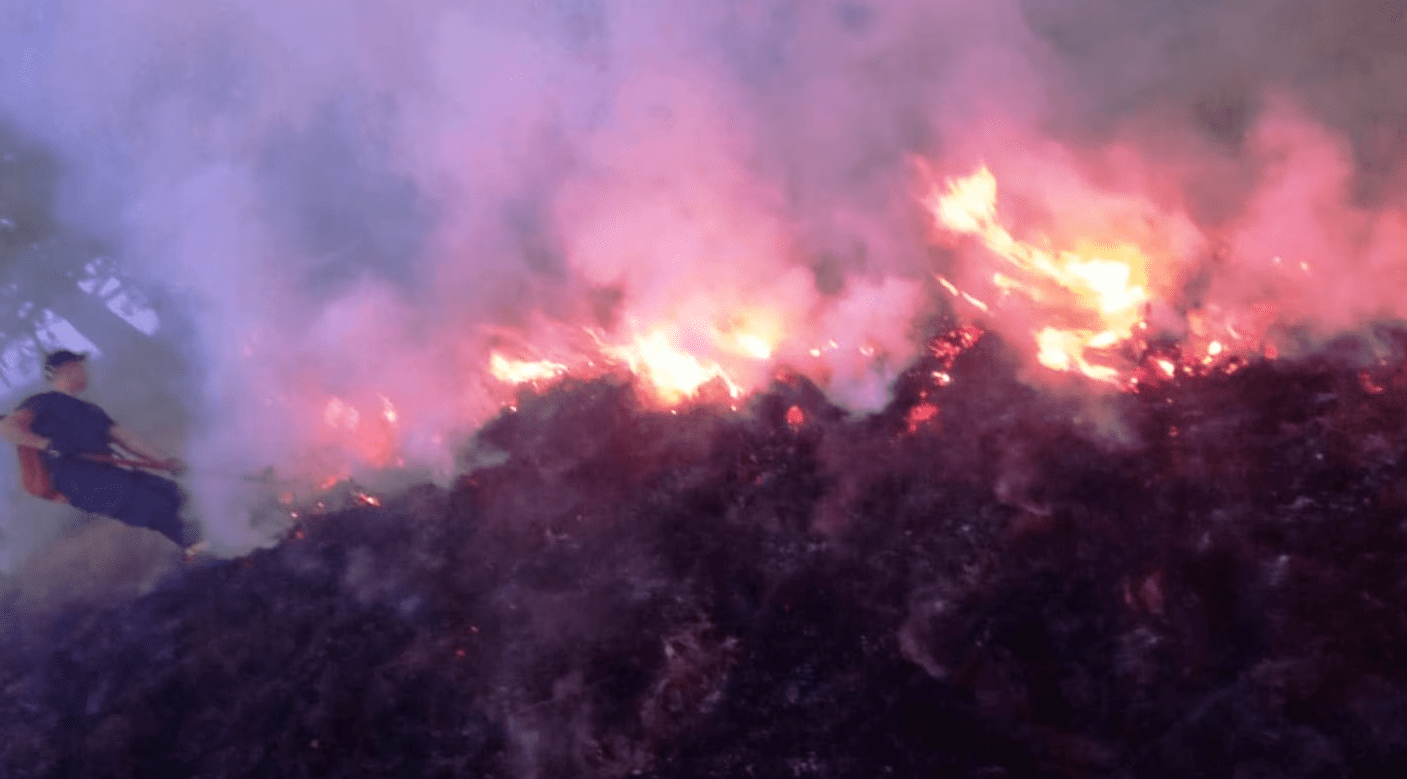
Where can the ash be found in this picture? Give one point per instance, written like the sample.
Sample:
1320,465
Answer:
1203,578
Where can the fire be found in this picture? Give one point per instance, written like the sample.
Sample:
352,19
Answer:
353,434
340,414
672,373
753,335
668,372
511,371
1098,292
755,346
957,293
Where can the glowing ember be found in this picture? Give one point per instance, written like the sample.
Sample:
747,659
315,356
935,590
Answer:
795,416
921,414
947,347
1100,290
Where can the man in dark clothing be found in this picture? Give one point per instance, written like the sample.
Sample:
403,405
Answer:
75,435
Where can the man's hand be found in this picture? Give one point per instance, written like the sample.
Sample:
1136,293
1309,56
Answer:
14,427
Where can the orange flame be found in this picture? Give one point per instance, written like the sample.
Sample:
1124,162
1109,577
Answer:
1100,289
672,373
511,371
669,373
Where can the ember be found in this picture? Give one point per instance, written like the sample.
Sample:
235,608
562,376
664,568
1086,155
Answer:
918,415
795,416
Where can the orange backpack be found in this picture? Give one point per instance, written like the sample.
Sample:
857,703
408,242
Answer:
34,475
34,472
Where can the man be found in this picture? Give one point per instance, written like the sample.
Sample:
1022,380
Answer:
74,435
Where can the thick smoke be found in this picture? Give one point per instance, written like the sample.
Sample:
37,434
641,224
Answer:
360,201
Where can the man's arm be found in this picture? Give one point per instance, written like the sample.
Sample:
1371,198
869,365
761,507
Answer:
15,429
125,438
129,440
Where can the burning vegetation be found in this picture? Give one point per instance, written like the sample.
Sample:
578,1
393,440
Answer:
910,388
976,580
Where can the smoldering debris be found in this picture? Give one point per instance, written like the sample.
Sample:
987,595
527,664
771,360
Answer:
997,591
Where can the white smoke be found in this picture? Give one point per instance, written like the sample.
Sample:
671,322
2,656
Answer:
359,200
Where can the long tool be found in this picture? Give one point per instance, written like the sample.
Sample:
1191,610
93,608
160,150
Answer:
153,465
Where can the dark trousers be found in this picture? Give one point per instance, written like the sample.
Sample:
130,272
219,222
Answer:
137,498
156,504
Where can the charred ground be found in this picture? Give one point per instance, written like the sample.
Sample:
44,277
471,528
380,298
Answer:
1003,588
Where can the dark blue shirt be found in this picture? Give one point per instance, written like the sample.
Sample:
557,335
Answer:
77,426
73,425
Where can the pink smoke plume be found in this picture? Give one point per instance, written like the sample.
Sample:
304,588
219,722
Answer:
367,203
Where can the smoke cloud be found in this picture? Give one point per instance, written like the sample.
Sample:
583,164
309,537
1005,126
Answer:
355,203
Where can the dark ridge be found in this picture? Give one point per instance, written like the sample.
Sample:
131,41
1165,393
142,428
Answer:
1000,588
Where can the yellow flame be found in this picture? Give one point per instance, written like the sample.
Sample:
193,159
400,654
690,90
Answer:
674,374
669,373
957,293
752,333
754,346
1064,350
1099,286
511,371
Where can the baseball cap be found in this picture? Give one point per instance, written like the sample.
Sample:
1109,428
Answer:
60,358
